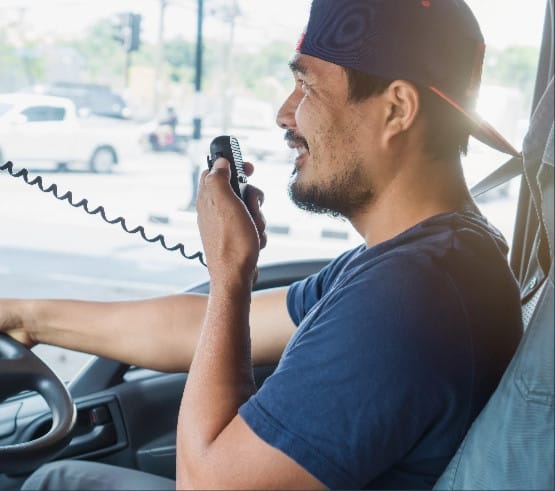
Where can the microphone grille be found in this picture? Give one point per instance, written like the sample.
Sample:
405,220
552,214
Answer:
237,157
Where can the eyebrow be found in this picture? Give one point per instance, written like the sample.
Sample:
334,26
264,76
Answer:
297,66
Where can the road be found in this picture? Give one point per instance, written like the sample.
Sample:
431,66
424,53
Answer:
46,237
49,249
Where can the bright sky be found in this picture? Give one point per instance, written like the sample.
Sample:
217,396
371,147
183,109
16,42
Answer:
503,21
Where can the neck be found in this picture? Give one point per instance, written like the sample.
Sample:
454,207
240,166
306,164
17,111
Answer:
420,191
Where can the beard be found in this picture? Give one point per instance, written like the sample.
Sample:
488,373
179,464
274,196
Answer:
342,197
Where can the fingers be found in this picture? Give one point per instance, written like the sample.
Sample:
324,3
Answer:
221,167
254,199
249,168
221,173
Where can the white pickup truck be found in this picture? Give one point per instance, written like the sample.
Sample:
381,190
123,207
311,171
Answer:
45,130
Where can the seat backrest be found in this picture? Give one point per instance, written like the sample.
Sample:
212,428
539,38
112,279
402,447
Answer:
511,443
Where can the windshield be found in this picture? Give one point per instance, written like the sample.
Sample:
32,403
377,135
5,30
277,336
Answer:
131,68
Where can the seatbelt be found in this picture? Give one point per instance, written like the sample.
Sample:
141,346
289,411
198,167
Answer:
510,169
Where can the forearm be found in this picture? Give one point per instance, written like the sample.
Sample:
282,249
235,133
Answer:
142,333
220,379
159,333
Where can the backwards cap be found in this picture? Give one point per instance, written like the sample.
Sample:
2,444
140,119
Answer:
433,43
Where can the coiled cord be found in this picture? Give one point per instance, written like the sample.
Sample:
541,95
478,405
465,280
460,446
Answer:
99,210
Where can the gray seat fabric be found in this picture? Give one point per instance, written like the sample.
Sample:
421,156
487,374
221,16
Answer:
511,443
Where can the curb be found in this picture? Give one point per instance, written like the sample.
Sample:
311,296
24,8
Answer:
306,231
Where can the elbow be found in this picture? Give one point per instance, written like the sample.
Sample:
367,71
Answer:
198,475
184,478
185,471
191,469
187,480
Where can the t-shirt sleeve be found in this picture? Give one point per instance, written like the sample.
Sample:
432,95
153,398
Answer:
304,294
346,400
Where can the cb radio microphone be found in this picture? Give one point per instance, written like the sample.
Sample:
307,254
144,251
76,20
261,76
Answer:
228,147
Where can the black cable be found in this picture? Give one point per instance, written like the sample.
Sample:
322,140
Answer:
84,204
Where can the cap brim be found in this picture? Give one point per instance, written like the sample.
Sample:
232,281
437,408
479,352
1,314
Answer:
480,128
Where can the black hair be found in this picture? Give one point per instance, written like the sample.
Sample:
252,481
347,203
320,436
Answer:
447,130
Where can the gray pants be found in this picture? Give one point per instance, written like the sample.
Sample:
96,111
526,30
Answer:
80,474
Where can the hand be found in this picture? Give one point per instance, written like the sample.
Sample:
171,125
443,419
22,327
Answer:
12,322
232,233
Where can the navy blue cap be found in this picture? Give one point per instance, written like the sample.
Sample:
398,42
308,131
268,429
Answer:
436,44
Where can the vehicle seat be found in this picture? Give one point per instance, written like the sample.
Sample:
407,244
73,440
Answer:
511,443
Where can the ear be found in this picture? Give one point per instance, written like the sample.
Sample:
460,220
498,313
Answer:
402,107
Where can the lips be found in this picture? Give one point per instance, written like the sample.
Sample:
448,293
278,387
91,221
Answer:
297,142
301,152
294,140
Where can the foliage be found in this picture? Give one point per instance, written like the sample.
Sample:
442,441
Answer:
514,66
20,66
179,55
104,56
271,61
261,72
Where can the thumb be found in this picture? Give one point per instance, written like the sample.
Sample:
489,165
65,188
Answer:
222,166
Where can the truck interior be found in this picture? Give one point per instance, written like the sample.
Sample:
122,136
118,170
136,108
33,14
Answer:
127,416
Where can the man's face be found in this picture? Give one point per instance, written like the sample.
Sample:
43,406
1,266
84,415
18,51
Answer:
330,134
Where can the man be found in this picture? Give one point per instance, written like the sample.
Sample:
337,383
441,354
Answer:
399,342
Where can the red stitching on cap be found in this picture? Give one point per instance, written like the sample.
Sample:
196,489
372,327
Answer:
300,42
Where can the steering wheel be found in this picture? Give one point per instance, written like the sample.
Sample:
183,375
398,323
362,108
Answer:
21,369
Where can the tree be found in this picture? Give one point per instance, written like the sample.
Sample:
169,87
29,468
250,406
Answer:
104,55
270,62
179,56
514,66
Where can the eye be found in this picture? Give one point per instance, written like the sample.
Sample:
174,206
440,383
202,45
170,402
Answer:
303,85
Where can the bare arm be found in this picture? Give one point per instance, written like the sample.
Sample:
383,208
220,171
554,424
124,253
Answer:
159,333
215,448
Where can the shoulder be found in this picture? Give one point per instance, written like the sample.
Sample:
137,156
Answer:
407,290
304,294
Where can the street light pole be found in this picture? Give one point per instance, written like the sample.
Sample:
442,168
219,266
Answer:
197,121
196,152
159,56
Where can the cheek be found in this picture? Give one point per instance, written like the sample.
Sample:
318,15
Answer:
312,124
302,115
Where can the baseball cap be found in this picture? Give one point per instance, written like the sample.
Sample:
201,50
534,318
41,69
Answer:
435,44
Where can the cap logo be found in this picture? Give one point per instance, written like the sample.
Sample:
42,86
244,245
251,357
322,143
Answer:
426,3
300,41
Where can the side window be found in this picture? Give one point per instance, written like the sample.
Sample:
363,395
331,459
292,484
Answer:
44,113
508,80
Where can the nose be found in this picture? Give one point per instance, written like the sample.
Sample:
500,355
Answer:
285,118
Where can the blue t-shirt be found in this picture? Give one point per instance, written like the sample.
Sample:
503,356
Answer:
398,348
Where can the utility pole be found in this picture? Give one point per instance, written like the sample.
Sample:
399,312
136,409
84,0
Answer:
197,120
159,55
196,152
231,13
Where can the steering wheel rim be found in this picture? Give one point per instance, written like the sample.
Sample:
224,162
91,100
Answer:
21,369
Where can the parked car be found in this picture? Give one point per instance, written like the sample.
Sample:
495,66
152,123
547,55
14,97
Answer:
100,100
46,130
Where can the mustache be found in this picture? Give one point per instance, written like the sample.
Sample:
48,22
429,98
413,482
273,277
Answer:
292,137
